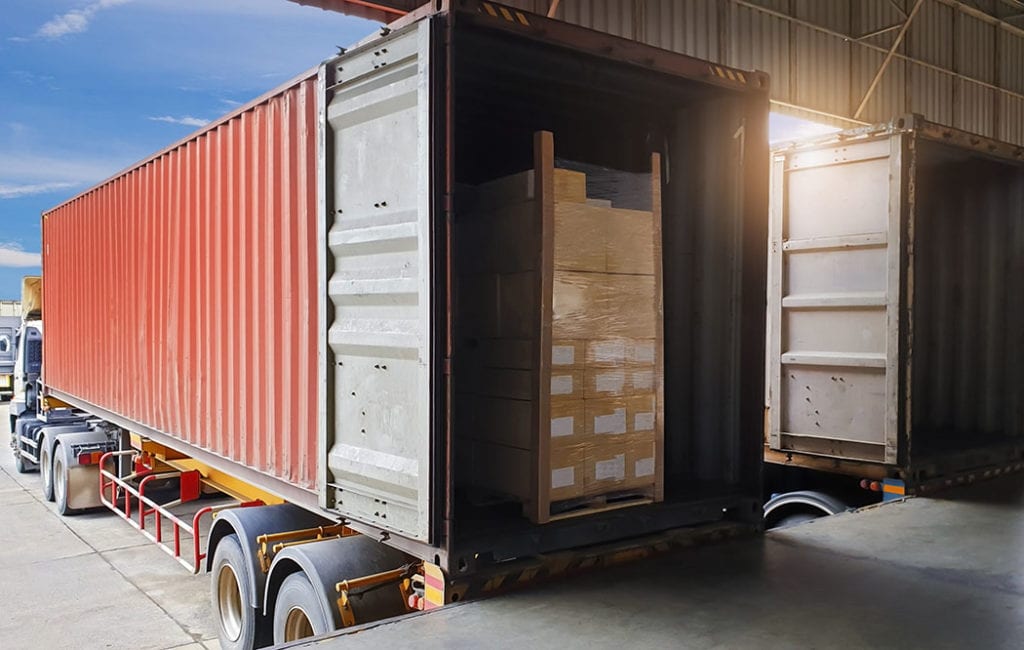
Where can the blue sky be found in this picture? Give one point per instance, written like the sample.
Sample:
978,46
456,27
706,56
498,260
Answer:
88,87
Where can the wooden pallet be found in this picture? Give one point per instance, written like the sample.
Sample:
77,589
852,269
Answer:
601,503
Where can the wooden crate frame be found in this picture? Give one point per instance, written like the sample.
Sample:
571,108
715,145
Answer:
538,506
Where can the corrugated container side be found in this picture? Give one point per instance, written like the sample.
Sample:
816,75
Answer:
968,276
181,294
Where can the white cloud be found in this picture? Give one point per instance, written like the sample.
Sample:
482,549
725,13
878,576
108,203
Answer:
11,254
185,120
28,189
24,173
75,21
230,102
26,168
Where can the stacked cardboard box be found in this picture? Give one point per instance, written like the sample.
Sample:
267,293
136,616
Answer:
604,350
558,380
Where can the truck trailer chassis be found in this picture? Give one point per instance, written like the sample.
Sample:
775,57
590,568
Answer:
292,549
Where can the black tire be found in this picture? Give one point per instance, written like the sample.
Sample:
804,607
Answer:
297,611
23,466
240,627
60,482
46,469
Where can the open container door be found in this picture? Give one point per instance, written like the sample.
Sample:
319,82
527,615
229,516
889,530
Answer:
834,300
376,200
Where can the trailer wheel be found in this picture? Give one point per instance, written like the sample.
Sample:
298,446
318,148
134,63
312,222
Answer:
238,622
298,613
46,470
20,464
60,484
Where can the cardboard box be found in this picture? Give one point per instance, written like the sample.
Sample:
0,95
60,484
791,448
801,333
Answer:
566,384
611,417
518,305
570,186
568,422
567,472
567,354
617,382
605,468
641,461
641,411
594,238
498,420
606,417
603,305
630,242
618,465
502,469
580,238
615,352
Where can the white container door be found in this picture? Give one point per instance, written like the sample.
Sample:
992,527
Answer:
376,204
834,301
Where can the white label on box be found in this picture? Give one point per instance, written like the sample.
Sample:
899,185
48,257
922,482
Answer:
563,355
643,422
605,351
562,426
610,382
613,423
643,352
562,477
611,470
643,380
644,467
561,384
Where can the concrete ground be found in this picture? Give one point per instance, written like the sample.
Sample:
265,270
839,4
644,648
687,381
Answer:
89,581
932,573
924,573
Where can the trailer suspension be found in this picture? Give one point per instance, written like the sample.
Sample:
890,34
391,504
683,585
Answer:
148,517
402,576
272,544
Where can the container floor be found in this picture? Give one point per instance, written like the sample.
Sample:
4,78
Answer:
943,572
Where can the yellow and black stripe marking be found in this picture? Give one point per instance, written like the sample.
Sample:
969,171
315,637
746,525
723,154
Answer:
726,73
500,11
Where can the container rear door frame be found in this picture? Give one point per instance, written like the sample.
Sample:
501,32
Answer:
834,300
376,277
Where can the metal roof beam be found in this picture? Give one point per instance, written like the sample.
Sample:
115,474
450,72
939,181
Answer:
888,57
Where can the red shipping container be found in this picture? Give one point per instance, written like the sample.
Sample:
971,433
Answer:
181,294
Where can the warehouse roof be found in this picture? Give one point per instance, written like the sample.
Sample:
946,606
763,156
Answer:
383,11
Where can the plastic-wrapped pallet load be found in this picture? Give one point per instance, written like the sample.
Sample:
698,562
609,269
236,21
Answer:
563,309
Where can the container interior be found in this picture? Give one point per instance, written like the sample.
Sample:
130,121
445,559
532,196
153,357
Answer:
615,115
968,317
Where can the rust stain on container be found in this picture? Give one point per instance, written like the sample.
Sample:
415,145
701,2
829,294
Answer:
181,294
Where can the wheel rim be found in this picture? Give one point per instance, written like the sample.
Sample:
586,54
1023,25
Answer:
58,481
44,467
229,603
297,625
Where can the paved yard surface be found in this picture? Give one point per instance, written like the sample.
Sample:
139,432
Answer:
89,581
935,573
925,573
